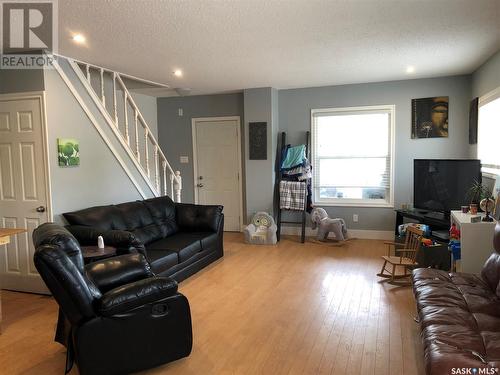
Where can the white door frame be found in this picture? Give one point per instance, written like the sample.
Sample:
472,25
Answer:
201,120
40,96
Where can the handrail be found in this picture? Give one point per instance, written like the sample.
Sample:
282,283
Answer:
160,161
141,119
128,76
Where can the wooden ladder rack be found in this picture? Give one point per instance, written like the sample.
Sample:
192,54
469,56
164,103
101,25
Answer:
279,177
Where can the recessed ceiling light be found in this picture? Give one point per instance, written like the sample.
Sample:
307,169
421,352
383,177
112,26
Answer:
177,73
78,38
410,69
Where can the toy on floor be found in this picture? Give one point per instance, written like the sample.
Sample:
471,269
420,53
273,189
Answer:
325,225
262,230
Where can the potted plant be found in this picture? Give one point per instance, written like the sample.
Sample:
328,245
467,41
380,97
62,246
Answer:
480,195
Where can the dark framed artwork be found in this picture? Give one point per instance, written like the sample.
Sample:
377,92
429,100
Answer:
473,116
257,138
429,118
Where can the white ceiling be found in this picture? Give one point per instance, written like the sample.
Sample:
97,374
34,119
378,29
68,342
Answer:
224,45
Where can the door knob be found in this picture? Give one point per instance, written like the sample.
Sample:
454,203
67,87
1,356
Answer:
40,209
201,177
200,185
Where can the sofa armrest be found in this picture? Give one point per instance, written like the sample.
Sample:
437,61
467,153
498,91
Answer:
113,272
125,242
128,297
198,218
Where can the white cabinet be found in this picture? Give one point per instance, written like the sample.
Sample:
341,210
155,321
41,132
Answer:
476,241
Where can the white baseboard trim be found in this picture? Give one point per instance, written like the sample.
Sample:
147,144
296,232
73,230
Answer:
353,233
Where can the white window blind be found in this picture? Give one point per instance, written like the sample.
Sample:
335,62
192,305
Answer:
352,155
488,134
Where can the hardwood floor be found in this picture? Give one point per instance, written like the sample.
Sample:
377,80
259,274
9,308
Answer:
286,309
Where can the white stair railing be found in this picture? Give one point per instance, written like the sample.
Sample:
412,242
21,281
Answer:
140,142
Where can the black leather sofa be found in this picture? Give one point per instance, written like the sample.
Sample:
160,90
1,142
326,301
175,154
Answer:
121,318
177,239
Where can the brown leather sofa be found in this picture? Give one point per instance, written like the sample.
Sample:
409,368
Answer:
460,318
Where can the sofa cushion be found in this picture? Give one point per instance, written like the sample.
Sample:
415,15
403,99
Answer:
184,244
162,209
135,214
140,222
101,217
195,218
162,260
446,315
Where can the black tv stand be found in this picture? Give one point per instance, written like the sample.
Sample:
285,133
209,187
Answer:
437,221
436,215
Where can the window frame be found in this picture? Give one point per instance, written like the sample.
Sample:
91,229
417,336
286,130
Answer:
345,202
488,170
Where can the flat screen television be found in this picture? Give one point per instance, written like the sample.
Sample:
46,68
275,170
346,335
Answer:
441,185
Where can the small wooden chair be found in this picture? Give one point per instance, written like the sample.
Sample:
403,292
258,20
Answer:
405,258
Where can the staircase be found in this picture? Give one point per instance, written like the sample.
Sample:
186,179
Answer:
121,113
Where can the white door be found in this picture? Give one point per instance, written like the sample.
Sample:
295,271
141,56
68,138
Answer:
23,188
217,166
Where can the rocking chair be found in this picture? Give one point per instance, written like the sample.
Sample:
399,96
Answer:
405,258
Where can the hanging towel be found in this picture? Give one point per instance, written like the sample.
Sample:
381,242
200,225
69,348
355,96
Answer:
301,173
292,195
294,157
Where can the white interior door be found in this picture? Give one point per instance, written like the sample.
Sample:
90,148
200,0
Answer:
217,166
23,188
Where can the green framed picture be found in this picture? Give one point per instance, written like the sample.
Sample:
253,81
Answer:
68,151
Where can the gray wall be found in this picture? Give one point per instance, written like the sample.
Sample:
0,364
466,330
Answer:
294,118
99,179
487,77
174,131
23,80
149,109
261,105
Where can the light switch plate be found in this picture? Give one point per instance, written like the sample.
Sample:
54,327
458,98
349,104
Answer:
180,111
184,159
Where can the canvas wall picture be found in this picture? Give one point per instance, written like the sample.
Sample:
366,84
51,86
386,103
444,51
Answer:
430,117
257,134
68,151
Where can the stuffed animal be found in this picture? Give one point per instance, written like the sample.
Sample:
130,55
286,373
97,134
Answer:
262,230
325,225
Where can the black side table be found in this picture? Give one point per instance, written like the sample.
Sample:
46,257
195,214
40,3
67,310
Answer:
93,253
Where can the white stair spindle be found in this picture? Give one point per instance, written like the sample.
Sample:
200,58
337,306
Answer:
164,167
146,152
177,186
87,72
137,153
125,111
103,99
157,177
115,108
172,177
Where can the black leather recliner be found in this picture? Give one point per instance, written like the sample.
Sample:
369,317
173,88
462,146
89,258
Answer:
122,317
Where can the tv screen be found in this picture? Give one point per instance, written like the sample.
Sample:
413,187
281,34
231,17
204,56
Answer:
442,185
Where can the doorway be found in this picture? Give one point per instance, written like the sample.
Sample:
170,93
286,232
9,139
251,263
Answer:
217,166
24,186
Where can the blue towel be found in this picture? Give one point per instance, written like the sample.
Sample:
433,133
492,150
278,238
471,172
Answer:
295,156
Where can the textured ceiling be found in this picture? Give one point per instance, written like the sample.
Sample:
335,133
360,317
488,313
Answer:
223,45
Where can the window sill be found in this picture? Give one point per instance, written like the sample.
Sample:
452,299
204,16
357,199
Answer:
354,204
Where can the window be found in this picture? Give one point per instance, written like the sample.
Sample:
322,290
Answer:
488,133
352,156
